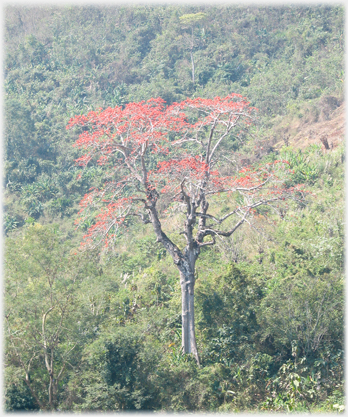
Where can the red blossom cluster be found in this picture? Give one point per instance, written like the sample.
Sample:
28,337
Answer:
125,137
125,129
191,164
232,105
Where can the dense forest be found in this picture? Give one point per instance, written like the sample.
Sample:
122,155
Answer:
100,329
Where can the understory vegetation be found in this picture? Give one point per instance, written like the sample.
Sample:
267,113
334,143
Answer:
101,330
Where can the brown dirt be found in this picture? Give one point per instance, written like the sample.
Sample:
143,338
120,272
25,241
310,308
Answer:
330,125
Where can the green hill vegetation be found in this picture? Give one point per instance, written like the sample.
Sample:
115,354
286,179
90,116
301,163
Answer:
269,299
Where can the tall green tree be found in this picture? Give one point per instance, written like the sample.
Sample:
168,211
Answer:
42,333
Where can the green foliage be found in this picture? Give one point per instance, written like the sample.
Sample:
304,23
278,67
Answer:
269,333
299,384
10,223
121,369
18,396
302,310
41,285
228,315
76,59
269,306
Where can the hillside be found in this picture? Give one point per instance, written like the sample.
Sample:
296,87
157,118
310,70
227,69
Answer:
302,132
100,330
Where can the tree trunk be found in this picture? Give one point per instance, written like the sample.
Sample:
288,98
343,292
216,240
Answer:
192,61
193,69
189,344
50,392
185,262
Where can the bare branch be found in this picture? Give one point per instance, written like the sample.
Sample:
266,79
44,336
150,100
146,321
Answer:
210,139
144,217
228,128
228,233
186,197
210,243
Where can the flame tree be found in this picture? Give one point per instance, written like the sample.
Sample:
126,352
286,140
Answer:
188,139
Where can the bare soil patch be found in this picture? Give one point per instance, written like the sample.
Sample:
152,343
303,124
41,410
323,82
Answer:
327,126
